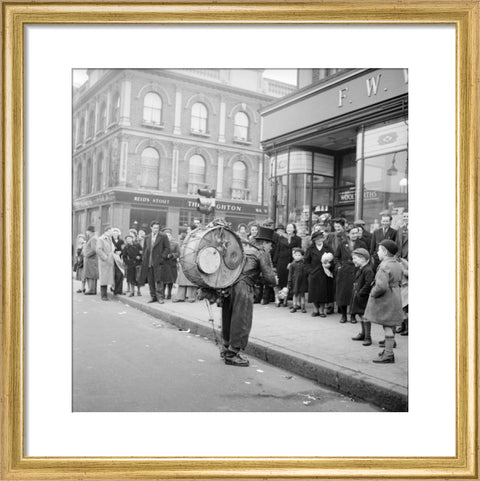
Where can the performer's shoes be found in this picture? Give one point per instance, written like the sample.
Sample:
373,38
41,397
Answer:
236,360
131,294
315,314
153,299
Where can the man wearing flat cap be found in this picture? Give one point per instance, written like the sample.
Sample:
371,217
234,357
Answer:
365,235
384,305
237,308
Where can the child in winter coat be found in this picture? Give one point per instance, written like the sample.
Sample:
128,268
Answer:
362,285
298,280
384,305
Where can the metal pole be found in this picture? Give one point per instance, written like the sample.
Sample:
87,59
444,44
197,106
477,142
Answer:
288,188
310,219
275,190
360,176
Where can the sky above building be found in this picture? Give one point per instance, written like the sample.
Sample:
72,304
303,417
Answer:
283,75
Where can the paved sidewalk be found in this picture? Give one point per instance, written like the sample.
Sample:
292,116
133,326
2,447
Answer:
316,348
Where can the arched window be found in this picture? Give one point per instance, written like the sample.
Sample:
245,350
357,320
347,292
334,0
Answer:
239,181
88,180
149,167
115,108
196,173
152,108
91,124
98,186
79,180
102,117
199,118
241,124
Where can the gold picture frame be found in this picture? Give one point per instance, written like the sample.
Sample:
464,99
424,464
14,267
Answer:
16,15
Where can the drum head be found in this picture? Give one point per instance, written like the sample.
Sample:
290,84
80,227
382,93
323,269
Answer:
233,256
208,260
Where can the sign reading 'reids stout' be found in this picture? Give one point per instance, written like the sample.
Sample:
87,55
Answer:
168,201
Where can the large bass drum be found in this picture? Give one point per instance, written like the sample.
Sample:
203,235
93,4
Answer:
212,257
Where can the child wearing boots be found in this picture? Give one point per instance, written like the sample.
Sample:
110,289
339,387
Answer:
384,305
362,285
297,280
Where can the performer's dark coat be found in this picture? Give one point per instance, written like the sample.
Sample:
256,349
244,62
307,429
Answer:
345,271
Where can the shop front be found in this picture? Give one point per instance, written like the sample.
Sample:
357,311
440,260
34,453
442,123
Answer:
340,147
125,209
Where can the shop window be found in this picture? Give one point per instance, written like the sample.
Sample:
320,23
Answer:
99,179
239,182
386,186
196,173
347,170
88,180
78,191
241,124
152,108
102,117
115,117
91,124
199,118
149,168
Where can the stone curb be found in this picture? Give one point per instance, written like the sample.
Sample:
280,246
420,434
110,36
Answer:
388,396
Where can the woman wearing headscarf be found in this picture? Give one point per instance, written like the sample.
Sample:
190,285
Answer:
287,240
345,271
319,265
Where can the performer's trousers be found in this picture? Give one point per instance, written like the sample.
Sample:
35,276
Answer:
237,314
156,288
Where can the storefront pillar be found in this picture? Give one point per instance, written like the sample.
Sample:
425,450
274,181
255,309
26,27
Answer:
360,170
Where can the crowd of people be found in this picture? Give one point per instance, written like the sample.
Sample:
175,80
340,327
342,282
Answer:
364,275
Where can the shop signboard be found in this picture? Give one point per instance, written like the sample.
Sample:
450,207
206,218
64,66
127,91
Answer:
156,200
348,195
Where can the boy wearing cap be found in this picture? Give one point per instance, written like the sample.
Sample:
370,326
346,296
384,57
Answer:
385,303
362,285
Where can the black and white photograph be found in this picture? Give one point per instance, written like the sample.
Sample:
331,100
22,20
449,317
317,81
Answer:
240,240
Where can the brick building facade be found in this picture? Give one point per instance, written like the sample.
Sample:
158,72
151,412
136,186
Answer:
145,140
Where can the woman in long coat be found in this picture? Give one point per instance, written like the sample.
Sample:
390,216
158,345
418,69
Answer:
287,240
320,274
105,262
132,257
186,289
345,271
171,263
80,262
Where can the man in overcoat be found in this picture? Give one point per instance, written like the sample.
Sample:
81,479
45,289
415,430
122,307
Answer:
90,262
386,232
154,262
105,261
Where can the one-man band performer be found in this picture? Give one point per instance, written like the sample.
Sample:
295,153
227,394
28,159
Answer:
237,308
